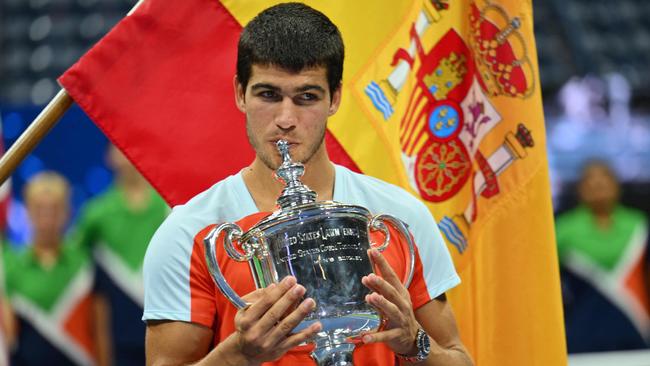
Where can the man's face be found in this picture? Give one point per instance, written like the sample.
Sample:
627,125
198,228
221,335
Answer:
290,106
598,189
48,212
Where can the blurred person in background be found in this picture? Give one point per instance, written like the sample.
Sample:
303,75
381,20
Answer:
49,317
603,251
117,226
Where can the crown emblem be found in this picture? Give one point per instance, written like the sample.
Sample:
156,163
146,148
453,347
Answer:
501,53
446,76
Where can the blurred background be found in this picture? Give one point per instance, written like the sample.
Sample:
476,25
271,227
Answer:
593,59
39,40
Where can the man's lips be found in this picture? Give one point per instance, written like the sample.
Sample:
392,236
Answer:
275,141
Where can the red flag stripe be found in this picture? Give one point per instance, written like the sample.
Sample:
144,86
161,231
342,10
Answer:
131,87
181,129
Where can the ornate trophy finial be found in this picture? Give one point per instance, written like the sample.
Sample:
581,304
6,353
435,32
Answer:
295,193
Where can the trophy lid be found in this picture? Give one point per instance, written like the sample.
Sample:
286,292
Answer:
294,193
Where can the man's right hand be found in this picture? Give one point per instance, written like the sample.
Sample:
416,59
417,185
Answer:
263,330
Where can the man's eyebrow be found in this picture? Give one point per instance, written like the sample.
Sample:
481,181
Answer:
264,86
301,89
307,87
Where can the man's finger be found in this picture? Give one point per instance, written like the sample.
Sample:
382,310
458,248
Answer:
382,336
265,298
381,286
252,297
287,325
389,310
384,268
277,311
300,337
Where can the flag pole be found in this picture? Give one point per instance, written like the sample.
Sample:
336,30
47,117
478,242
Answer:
38,128
28,140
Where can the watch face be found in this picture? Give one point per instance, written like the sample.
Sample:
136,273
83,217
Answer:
424,347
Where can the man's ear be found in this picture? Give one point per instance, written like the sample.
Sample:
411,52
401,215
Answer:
336,101
240,94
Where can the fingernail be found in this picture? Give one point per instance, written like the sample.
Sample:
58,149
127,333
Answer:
298,290
366,339
375,298
289,281
271,286
316,327
372,279
308,304
374,253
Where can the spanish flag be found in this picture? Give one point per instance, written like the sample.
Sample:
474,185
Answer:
440,97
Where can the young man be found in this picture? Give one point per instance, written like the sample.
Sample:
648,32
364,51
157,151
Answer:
116,228
288,83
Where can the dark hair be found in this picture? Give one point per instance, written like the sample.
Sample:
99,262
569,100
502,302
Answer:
294,37
597,163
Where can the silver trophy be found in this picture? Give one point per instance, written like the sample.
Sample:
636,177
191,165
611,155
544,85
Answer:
324,245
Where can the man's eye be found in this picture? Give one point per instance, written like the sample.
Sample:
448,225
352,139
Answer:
307,97
269,94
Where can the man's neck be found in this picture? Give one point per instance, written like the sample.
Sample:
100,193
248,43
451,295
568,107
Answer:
46,250
265,188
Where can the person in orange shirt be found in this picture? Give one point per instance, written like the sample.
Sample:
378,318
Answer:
288,82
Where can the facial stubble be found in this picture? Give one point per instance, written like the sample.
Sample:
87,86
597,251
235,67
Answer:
273,161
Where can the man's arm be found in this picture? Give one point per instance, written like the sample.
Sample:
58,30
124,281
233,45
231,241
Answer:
9,323
437,319
262,332
392,299
101,313
176,343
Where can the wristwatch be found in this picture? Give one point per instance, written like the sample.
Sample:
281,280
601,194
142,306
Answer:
424,347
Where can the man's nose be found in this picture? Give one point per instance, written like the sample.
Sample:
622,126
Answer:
287,115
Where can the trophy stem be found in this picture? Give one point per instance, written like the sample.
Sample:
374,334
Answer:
335,355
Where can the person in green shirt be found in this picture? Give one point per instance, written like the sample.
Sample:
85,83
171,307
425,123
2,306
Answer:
49,285
117,226
603,251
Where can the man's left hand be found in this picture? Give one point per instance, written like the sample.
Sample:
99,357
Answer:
393,301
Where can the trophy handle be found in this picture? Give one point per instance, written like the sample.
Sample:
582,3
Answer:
378,222
232,231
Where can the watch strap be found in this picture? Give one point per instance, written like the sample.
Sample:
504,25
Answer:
423,345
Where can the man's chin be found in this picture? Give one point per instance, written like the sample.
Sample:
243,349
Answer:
273,159
272,163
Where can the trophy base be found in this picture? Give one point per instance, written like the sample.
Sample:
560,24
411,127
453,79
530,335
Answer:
333,355
335,343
